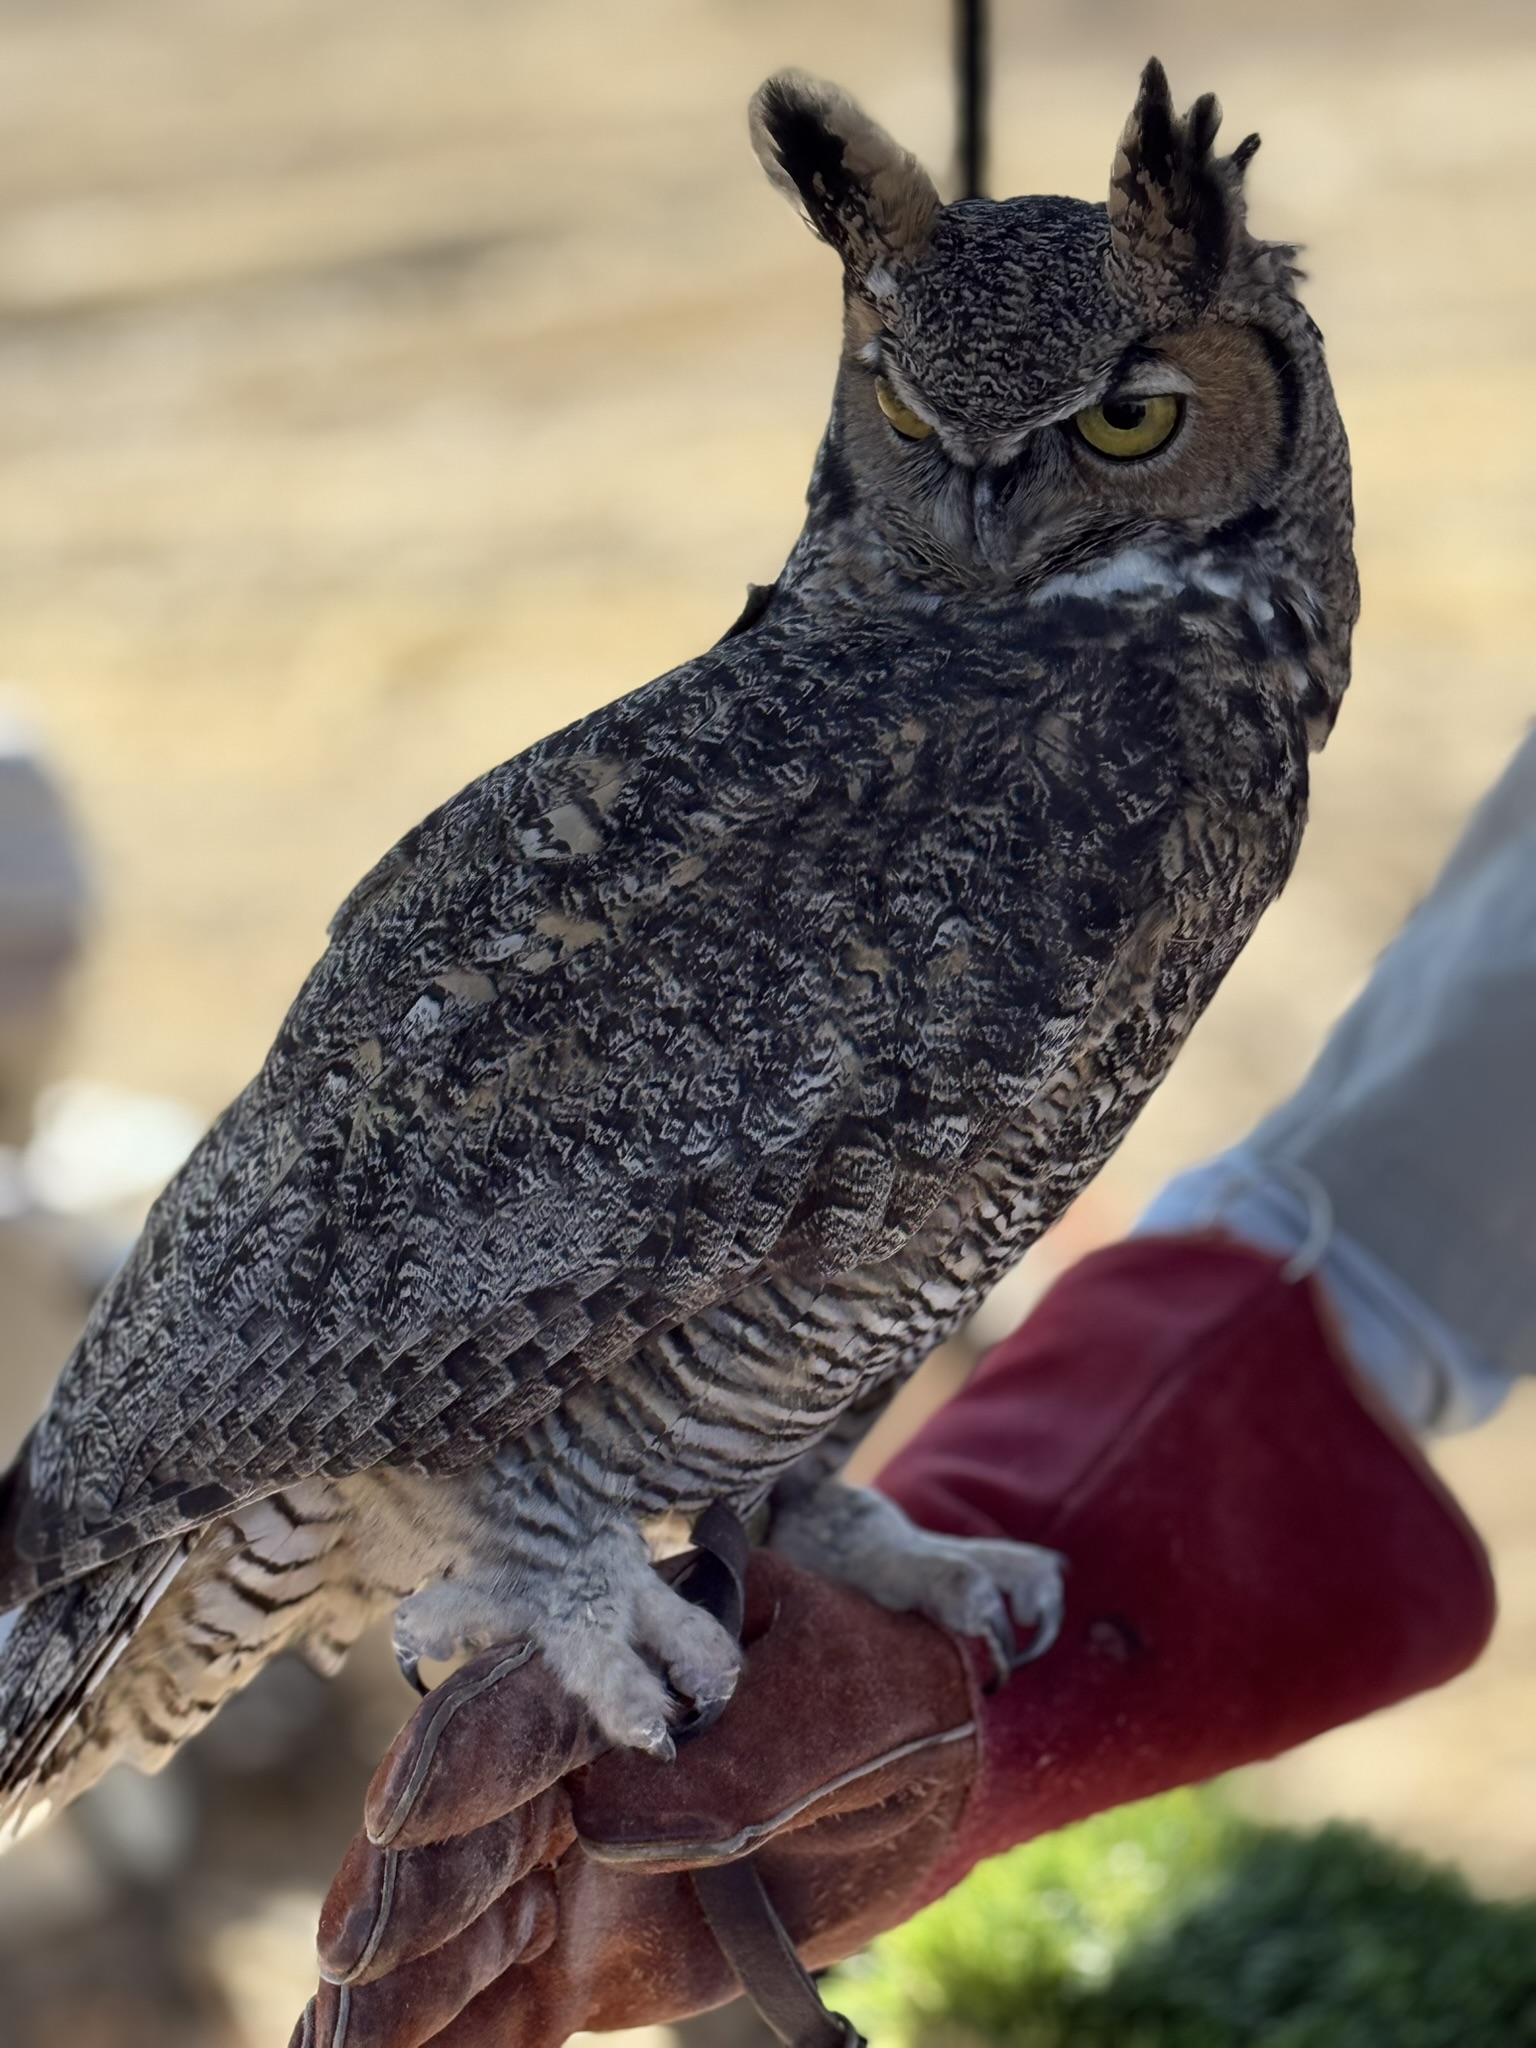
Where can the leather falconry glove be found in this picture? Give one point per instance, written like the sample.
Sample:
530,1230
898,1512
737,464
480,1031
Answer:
1257,1552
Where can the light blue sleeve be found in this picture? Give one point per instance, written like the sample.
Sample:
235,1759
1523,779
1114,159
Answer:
1404,1167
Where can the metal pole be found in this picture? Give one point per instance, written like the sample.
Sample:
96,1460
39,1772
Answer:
971,79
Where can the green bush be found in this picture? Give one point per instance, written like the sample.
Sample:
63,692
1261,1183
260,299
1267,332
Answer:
1179,1924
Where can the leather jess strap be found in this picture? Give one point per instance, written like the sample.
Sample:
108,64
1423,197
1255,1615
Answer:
753,1941
735,1901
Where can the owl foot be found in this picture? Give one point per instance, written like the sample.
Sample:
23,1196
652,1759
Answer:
634,1653
971,1585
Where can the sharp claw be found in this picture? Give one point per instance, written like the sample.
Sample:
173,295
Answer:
997,1632
1002,1654
410,1670
1047,1628
696,1715
659,1744
1000,1631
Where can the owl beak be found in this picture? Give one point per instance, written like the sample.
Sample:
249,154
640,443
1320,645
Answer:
994,494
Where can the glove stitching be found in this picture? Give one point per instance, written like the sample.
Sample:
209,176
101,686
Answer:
343,2016
432,1734
376,1931
756,1831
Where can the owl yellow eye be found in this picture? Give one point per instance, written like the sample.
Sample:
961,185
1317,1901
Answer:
1127,427
901,416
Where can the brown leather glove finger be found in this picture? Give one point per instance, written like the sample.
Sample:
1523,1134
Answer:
629,1943
486,1741
461,1809
633,1944
421,1996
387,1905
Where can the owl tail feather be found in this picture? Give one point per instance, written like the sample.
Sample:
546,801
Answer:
55,1653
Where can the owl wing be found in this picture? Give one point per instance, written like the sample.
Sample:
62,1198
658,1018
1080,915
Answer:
671,999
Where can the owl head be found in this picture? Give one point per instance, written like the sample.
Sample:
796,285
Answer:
1041,389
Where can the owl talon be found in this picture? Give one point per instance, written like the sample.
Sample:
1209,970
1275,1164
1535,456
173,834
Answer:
1047,1628
635,1653
661,1746
1001,1640
411,1644
975,1586
635,1683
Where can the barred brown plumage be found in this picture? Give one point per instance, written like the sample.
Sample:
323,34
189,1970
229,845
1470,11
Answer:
666,1095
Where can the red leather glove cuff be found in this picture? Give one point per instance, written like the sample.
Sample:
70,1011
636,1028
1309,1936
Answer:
1257,1550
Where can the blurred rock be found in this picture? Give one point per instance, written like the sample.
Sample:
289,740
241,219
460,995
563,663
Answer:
95,1148
141,1829
42,918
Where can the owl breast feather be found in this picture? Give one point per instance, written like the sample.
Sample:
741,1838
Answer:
740,971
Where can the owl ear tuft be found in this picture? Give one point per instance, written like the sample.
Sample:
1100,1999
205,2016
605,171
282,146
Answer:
864,194
1177,220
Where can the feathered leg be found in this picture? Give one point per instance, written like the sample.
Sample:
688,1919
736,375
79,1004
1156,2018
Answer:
972,1585
547,1556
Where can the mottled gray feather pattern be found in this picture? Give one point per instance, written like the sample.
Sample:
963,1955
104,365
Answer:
805,958
667,1094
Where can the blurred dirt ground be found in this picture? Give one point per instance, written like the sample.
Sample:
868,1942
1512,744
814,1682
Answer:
385,382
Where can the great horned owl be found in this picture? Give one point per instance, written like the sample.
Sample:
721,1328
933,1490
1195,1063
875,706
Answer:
662,1099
